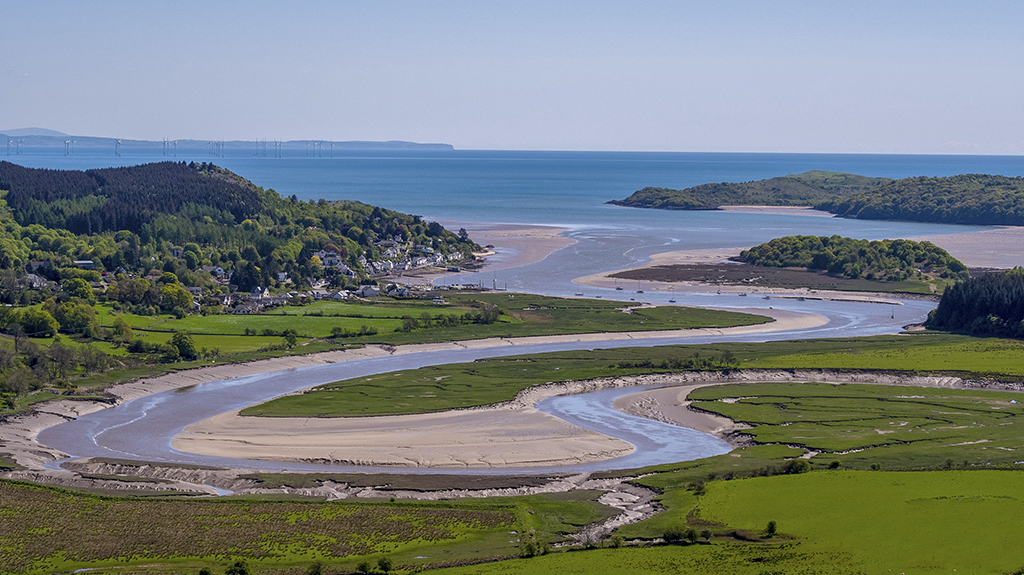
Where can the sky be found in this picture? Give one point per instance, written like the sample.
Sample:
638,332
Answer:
860,76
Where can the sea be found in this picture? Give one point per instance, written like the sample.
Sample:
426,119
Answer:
565,189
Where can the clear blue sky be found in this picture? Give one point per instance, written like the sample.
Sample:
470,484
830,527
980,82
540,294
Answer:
788,76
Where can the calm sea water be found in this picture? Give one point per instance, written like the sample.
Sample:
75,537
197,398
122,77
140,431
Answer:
567,189
562,188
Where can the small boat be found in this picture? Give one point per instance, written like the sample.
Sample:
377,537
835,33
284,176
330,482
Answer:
767,297
618,288
632,299
598,296
744,294
673,300
639,291
579,293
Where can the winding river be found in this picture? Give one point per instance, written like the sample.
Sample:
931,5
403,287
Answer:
142,429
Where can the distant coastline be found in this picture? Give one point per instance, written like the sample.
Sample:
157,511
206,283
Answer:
36,138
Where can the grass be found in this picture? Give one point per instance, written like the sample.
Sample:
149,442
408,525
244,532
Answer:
489,381
829,522
521,315
894,427
47,530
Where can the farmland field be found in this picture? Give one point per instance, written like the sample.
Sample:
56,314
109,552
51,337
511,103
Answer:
46,530
828,522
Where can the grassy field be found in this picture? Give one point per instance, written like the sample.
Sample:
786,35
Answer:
46,530
520,315
829,522
493,380
889,426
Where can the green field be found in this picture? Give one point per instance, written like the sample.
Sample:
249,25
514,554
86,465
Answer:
893,427
829,522
521,315
47,530
489,381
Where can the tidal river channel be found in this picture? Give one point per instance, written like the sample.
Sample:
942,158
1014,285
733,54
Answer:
142,429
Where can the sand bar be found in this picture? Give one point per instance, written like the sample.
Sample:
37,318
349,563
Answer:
721,256
514,245
999,248
779,210
480,438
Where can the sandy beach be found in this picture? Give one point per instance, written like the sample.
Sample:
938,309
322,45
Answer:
721,256
780,210
999,248
513,245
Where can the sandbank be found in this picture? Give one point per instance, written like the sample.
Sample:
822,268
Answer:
481,438
513,245
721,256
780,210
999,248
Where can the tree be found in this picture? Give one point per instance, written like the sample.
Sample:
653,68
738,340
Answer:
771,530
794,466
363,567
121,333
385,565
238,568
706,534
133,290
673,535
173,298
182,341
78,287
191,260
60,359
38,323
290,337
92,359
316,568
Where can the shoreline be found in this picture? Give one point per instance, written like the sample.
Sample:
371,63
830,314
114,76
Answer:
512,245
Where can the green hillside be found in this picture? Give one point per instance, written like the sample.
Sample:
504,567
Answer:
803,189
964,199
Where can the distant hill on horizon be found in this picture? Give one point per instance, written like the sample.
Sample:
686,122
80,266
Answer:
45,138
21,132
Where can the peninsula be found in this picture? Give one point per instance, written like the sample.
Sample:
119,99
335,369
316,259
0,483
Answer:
977,199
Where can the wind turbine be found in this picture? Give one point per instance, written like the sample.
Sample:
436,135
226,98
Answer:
67,147
117,148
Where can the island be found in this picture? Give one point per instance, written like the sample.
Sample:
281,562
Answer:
977,199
